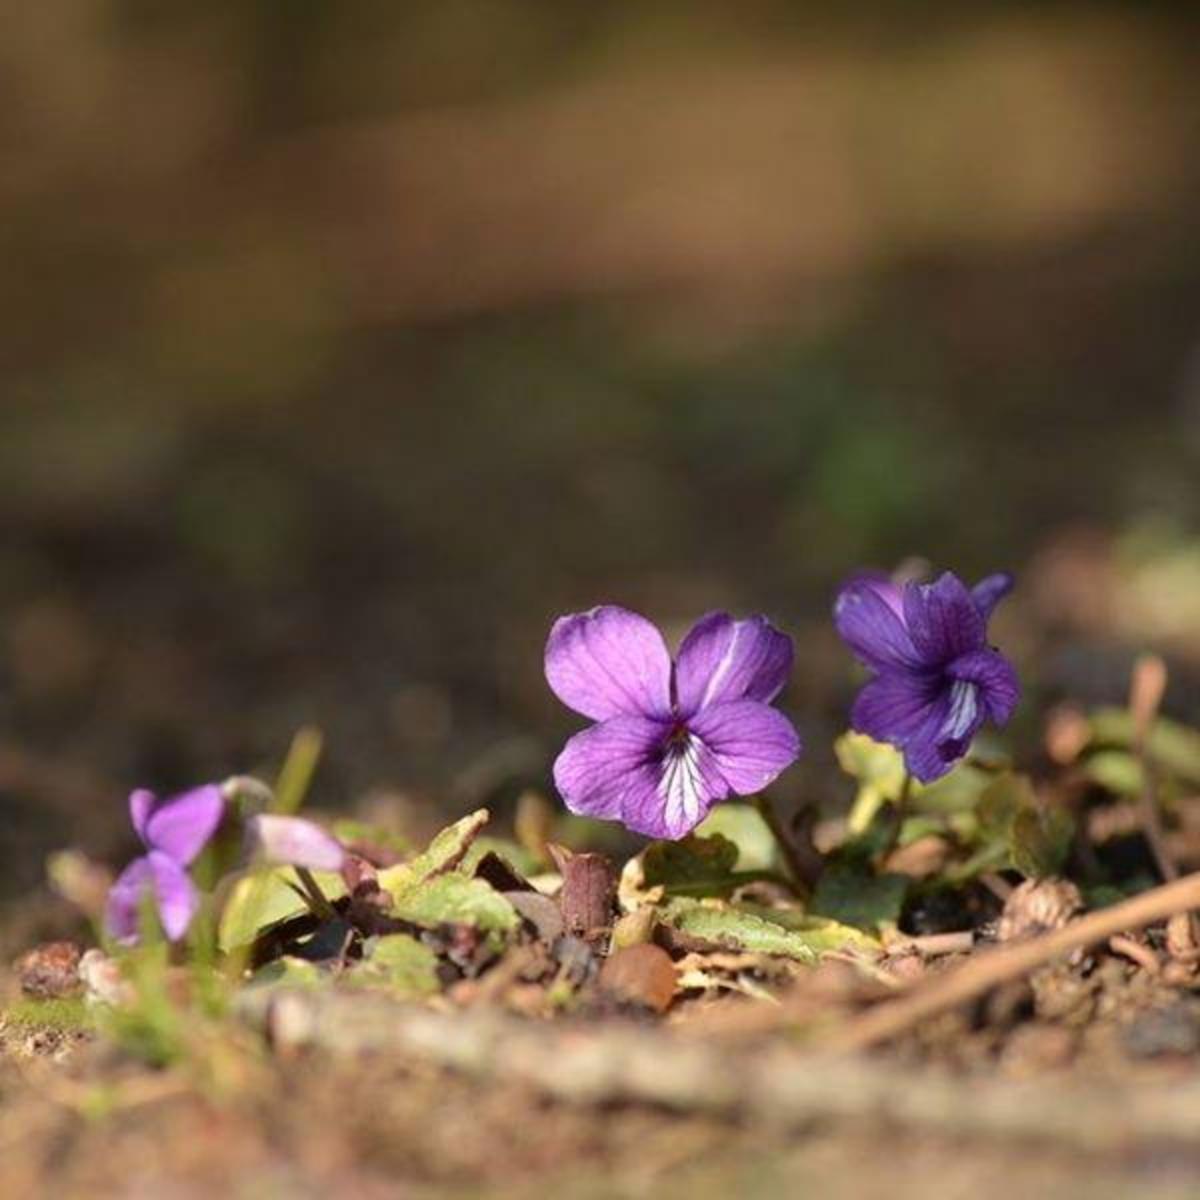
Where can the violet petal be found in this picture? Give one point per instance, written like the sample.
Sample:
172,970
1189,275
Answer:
750,742
946,734
722,659
609,662
894,707
602,766
942,619
124,898
999,687
870,623
141,804
293,841
174,893
689,784
181,826
987,593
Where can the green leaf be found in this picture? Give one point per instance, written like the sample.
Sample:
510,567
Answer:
958,791
513,853
289,971
1117,771
879,770
399,963
297,771
1016,829
444,853
852,895
455,899
348,831
735,928
264,898
695,866
1040,840
821,933
743,825
1173,746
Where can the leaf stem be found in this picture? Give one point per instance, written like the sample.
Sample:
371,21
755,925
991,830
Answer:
800,875
317,900
901,807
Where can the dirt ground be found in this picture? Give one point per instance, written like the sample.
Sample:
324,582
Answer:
379,1127
79,1117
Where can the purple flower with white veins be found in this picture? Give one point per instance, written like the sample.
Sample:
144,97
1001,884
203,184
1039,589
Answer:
936,679
174,831
672,738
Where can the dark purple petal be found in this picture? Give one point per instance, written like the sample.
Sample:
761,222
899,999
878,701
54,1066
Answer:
885,587
946,734
870,623
174,894
751,743
999,688
141,805
293,841
987,593
722,659
601,767
942,619
894,707
931,720
609,662
181,826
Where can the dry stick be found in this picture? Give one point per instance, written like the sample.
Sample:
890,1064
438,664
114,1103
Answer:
1147,684
994,967
931,945
1133,950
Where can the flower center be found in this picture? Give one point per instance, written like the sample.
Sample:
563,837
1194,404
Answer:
678,737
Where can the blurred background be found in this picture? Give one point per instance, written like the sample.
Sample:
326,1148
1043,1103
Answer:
344,345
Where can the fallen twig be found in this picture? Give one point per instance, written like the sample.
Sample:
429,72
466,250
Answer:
932,945
987,969
1133,950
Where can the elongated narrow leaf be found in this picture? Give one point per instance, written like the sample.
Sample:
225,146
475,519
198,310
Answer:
735,928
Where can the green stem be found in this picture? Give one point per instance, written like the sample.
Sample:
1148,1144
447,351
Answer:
791,857
317,900
901,807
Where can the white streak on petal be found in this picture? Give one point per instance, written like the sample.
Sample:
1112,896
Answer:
682,790
964,708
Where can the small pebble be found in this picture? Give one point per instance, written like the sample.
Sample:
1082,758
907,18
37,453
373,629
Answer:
643,975
50,971
1174,1029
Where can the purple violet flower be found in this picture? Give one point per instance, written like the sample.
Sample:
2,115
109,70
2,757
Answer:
292,841
936,680
671,739
174,831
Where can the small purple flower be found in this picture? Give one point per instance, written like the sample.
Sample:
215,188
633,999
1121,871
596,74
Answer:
292,841
671,739
936,678
174,831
